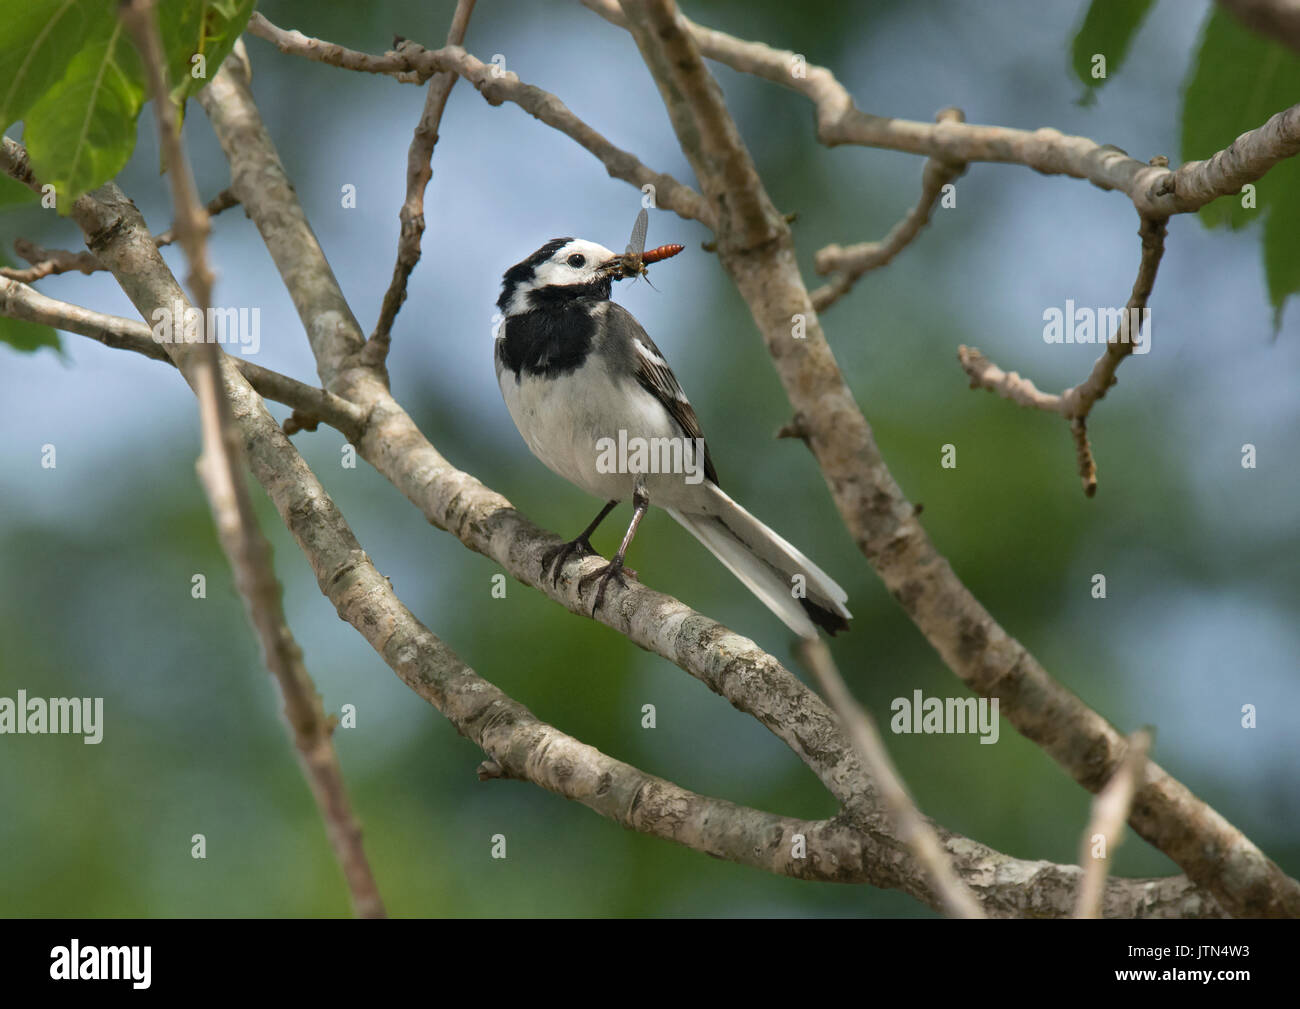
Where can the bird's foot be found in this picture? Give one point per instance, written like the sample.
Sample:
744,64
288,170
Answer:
559,556
613,571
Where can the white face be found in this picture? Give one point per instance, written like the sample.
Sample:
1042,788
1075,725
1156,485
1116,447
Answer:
576,262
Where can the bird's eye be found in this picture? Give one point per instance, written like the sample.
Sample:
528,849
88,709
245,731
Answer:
577,260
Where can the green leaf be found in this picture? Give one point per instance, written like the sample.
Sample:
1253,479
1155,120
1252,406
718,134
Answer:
75,78
38,39
1107,30
207,28
1239,80
1281,256
14,194
82,131
27,337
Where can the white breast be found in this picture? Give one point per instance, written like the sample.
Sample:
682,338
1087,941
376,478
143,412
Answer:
563,420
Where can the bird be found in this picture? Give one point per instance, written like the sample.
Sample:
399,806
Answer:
595,400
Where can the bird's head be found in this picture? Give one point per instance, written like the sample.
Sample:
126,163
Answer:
563,269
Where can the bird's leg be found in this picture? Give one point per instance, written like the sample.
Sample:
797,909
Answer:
614,569
582,544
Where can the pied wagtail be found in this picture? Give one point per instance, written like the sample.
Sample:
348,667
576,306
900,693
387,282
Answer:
581,377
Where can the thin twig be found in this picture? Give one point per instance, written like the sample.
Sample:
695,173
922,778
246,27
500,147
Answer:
1110,808
1076,403
419,169
50,262
913,829
47,262
223,201
856,260
221,468
1154,189
413,63
984,374
1084,460
1079,400
18,301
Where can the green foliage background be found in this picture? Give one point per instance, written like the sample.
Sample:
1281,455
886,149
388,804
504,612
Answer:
98,554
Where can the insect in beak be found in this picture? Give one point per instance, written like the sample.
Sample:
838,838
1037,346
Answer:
633,264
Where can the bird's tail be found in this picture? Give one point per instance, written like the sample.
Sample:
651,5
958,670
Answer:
788,583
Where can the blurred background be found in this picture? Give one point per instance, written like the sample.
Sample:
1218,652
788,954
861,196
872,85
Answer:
1199,553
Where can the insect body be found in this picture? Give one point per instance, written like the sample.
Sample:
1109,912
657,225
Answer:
634,261
662,252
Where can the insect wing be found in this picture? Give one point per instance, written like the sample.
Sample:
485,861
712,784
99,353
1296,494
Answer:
636,244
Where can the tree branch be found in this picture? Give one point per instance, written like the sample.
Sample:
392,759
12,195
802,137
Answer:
757,251
516,741
1155,190
412,62
418,172
483,520
853,262
1110,808
522,746
730,665
49,262
364,597
18,301
221,469
913,828
1076,403
1079,400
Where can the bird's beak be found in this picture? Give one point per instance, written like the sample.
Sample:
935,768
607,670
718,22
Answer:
613,269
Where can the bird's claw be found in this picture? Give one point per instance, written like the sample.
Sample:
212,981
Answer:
557,557
613,571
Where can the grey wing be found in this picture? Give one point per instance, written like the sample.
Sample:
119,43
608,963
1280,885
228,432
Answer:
636,244
653,374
